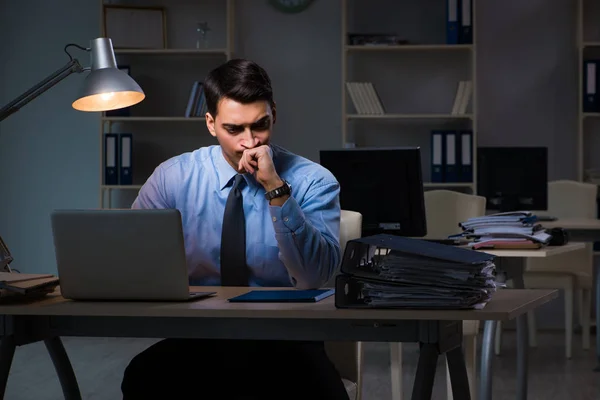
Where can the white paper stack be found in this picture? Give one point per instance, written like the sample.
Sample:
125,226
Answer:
517,229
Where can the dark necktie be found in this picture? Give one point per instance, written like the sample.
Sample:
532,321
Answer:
234,271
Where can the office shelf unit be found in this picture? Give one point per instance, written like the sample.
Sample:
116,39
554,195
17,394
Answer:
588,46
158,124
416,83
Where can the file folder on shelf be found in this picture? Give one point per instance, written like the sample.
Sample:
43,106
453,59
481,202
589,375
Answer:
387,271
452,21
125,159
437,156
466,22
111,159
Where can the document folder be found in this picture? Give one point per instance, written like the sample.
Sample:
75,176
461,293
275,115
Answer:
387,271
283,296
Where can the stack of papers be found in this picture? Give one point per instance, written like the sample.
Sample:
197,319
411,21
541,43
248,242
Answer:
425,283
12,283
518,229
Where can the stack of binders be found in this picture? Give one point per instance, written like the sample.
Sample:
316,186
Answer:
387,271
507,230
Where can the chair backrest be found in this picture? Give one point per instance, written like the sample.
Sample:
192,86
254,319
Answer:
446,208
346,355
572,199
350,227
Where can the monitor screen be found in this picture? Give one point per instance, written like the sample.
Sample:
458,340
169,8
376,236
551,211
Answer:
385,185
513,178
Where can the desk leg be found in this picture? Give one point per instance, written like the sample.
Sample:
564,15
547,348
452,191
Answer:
522,345
597,369
458,374
63,367
423,386
487,348
7,352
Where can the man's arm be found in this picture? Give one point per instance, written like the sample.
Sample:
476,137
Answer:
308,236
154,193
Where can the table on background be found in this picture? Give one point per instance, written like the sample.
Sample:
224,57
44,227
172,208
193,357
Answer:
584,230
513,271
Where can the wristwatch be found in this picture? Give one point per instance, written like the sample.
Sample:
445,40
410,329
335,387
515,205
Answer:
282,190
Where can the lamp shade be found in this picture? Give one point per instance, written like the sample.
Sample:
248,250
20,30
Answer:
106,87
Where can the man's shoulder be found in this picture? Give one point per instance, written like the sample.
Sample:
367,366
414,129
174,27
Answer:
192,160
302,170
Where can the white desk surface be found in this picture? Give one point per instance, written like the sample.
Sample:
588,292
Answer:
547,251
573,223
504,305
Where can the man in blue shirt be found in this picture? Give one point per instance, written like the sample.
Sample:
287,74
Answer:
286,234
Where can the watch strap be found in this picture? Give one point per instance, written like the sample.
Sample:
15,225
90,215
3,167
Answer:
278,192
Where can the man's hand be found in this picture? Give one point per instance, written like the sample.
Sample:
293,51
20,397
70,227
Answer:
259,162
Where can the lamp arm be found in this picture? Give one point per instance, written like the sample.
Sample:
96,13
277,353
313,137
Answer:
72,66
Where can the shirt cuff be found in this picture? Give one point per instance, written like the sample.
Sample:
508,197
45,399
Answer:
287,218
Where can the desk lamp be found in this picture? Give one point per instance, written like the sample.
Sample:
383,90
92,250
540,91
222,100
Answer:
105,88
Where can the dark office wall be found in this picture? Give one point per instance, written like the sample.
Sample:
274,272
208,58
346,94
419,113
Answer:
49,153
527,78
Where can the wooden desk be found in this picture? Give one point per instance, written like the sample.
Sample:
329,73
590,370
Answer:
573,224
547,251
438,331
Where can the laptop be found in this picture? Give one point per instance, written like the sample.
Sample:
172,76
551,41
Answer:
121,254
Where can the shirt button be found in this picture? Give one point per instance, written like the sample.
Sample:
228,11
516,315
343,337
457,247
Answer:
274,219
286,219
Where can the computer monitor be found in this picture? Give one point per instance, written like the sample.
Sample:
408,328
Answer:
513,178
385,185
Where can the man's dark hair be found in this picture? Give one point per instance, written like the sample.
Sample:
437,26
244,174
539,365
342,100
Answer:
241,80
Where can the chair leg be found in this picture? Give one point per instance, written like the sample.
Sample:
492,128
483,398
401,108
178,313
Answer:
498,338
396,370
359,362
568,322
579,295
471,362
532,329
449,395
584,312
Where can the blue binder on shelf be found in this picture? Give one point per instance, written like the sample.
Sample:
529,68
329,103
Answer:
452,21
465,35
125,159
465,156
437,156
590,86
451,159
111,159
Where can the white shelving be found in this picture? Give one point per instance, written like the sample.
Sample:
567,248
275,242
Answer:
160,129
410,120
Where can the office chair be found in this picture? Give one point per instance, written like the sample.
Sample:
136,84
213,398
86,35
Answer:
347,356
444,210
570,272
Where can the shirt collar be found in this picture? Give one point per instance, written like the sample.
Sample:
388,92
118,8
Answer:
224,171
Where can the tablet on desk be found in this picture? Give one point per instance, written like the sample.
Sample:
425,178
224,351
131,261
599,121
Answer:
283,296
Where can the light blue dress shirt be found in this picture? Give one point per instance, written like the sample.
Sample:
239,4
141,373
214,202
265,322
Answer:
296,244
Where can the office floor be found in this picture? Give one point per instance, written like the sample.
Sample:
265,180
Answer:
99,365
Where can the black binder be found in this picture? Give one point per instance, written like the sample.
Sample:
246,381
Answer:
388,271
